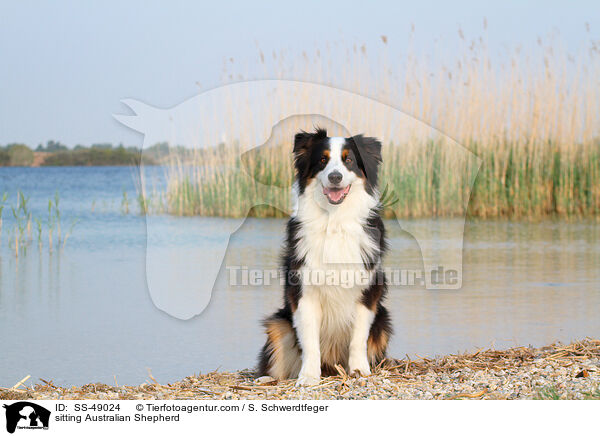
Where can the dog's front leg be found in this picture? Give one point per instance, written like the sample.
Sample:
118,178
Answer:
307,321
358,362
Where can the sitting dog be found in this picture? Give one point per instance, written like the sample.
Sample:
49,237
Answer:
334,280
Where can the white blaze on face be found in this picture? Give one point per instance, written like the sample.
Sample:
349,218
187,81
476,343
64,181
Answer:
336,192
335,163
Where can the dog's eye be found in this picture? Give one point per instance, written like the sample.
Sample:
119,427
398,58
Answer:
323,160
348,160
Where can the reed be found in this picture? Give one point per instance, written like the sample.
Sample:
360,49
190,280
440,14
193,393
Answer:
23,221
2,205
39,229
71,227
57,215
125,203
22,224
531,115
50,222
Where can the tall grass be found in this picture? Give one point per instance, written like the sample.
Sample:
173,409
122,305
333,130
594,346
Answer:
531,115
2,205
21,237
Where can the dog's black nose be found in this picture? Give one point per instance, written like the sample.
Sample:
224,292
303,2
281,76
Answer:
335,177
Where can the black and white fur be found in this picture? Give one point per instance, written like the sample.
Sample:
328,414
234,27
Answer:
336,228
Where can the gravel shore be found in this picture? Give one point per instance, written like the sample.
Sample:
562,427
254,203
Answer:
553,372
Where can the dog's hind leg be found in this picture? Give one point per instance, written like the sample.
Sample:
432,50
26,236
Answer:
379,336
280,357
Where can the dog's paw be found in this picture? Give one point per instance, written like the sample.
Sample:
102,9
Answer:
360,369
308,379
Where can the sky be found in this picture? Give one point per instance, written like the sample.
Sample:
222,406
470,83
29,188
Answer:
65,65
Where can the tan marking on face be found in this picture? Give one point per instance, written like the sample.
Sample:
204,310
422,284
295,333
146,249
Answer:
345,154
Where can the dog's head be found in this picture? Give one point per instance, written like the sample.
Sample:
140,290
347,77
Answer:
336,163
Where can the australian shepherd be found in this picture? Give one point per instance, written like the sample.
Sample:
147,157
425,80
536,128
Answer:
334,281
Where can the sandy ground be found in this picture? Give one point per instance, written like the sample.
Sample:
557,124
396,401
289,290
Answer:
553,372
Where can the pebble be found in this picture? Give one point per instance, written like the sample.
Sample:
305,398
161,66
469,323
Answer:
520,373
264,379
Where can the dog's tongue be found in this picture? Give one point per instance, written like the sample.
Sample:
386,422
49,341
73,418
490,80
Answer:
335,194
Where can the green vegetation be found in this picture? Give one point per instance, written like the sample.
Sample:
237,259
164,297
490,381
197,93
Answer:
16,155
593,395
2,205
93,157
125,203
547,393
552,393
57,154
532,117
20,236
429,181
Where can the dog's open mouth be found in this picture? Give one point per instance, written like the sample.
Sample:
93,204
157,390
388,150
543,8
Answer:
336,195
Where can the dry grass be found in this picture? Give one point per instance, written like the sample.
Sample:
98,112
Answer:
483,374
532,115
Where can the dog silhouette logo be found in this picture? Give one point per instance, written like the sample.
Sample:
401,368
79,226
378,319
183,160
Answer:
26,415
181,279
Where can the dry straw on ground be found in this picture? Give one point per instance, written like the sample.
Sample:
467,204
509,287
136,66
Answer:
552,372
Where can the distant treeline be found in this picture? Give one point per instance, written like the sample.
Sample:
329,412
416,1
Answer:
16,155
57,154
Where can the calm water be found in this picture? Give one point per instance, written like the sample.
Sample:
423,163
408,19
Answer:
84,314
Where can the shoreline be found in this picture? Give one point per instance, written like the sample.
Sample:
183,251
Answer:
555,371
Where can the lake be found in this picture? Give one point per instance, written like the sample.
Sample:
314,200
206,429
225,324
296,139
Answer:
84,314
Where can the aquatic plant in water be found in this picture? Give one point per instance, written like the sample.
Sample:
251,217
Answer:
21,234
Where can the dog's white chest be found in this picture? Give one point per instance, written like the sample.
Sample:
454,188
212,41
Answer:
334,271
333,245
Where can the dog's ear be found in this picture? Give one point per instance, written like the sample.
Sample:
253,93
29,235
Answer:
303,144
369,155
303,141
